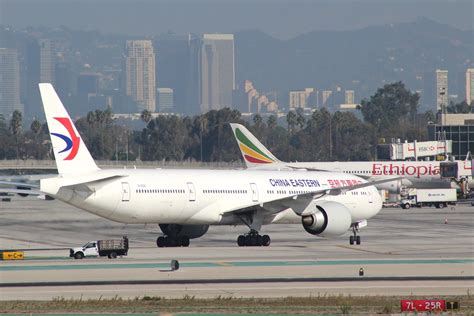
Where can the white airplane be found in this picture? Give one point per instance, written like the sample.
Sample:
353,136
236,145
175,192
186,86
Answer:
420,174
185,202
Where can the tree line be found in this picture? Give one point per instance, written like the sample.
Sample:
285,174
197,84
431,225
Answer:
392,112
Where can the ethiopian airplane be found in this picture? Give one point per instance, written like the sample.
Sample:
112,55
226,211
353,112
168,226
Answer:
419,174
186,202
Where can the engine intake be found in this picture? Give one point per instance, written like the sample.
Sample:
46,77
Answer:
332,219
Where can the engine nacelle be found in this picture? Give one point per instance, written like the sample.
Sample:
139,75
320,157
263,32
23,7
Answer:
332,219
190,231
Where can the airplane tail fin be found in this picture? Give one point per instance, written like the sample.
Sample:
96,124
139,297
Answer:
253,151
70,152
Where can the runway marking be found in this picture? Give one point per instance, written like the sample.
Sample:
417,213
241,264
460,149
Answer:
84,266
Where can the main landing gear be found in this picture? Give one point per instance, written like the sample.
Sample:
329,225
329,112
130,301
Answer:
167,241
253,239
354,239
253,220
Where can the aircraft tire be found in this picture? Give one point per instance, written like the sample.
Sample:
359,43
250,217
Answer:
184,241
266,240
241,240
160,242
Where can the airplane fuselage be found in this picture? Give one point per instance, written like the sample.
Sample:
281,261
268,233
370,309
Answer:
198,196
421,174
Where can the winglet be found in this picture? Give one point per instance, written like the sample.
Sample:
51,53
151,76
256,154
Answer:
253,151
70,152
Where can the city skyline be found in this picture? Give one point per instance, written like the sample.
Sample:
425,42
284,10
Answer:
197,67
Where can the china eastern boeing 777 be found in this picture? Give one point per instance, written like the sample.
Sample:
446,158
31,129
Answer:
420,174
186,202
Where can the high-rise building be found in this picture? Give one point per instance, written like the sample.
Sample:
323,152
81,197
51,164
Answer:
194,83
217,71
441,89
302,99
325,95
165,100
470,85
9,82
349,97
47,61
140,82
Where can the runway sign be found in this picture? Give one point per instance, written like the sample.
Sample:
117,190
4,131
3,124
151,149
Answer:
12,255
423,305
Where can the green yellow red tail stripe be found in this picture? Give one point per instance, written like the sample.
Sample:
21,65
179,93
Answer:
251,152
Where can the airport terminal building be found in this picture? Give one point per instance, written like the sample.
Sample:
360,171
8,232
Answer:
456,127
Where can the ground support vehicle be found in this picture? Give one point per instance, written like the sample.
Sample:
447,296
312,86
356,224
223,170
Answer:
101,248
439,198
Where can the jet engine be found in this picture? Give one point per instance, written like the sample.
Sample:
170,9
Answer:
190,231
331,219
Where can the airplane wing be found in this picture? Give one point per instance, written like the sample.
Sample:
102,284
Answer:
19,184
21,188
20,191
301,200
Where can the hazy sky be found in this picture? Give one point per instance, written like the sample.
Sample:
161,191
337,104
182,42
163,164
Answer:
280,18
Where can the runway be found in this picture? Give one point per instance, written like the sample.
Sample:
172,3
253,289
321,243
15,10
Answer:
403,252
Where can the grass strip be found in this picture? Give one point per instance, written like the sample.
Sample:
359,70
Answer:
315,304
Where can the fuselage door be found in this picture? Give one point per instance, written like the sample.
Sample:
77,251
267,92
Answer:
371,196
125,192
192,192
253,188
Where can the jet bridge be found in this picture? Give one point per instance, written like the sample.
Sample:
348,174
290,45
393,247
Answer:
461,173
415,150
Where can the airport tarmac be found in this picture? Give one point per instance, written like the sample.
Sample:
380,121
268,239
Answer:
403,252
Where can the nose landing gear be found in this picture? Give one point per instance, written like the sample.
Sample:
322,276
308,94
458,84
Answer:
354,239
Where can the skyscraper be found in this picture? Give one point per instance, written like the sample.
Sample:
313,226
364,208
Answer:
469,85
302,99
9,82
194,83
326,95
217,71
47,61
349,97
441,89
165,100
140,79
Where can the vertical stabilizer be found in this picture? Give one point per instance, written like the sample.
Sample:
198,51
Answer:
253,151
70,152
